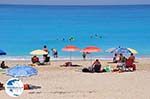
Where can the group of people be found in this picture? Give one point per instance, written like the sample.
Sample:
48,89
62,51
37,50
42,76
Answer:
123,64
46,57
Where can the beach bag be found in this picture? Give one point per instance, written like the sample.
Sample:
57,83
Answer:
107,69
85,70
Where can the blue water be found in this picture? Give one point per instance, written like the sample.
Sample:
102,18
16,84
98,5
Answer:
24,28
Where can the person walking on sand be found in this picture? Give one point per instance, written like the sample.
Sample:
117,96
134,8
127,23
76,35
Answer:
46,50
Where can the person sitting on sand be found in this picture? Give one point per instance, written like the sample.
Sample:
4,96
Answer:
35,59
96,66
122,58
3,66
115,58
129,65
132,57
1,86
121,62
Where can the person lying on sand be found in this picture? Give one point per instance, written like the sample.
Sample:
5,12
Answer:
31,87
26,86
69,64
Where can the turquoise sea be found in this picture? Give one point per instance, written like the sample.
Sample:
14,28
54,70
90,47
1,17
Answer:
24,28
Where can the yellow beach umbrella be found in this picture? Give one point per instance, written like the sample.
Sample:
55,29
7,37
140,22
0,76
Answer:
132,50
38,52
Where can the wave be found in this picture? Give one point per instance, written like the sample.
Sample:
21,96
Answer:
28,58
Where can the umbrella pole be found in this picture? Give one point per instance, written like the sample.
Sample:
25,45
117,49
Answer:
70,56
91,59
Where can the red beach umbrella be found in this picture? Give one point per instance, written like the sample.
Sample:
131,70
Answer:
91,49
70,48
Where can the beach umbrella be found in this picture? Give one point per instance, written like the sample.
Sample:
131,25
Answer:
2,52
131,50
70,48
38,52
21,71
110,50
91,49
122,50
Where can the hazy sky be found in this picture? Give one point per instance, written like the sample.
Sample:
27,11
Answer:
75,2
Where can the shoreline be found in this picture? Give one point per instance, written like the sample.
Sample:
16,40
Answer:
63,58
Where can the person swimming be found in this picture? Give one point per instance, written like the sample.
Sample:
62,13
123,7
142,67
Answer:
71,38
96,36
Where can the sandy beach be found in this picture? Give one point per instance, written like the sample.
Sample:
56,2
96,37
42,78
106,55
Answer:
70,83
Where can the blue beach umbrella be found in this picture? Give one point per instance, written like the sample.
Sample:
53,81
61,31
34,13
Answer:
21,71
122,50
2,52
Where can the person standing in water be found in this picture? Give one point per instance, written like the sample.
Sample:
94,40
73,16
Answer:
54,52
84,55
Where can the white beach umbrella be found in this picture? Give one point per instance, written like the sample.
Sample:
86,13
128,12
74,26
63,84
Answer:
38,52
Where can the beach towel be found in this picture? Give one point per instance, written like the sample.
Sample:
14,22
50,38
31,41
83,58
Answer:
2,71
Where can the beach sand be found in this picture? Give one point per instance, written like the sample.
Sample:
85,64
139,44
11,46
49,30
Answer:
70,83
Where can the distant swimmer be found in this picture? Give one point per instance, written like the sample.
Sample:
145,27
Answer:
71,39
91,36
95,36
98,36
63,39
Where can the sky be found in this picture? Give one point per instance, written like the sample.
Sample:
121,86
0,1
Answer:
75,2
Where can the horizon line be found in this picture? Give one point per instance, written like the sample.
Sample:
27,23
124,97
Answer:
76,5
